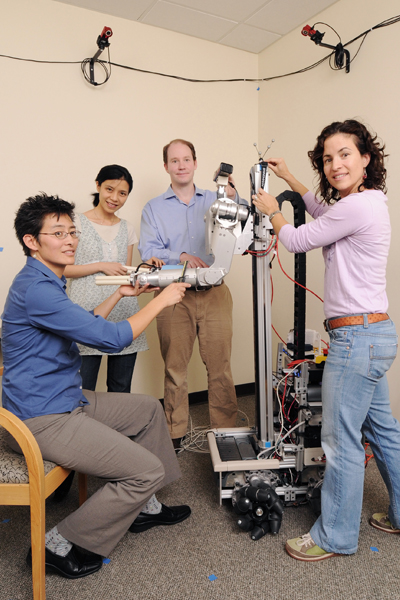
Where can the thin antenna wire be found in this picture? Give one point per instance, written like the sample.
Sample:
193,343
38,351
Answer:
259,153
268,147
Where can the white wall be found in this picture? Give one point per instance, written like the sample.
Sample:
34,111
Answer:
57,131
294,110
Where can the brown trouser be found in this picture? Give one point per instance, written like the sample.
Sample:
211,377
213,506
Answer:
122,438
207,314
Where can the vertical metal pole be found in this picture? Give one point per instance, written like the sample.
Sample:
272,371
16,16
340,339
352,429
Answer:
263,346
268,350
262,316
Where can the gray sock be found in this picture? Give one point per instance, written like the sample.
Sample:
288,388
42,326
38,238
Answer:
153,506
56,543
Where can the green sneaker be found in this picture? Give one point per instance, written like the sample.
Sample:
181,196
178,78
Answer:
381,521
304,548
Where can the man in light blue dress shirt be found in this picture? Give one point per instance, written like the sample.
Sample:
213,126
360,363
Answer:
173,230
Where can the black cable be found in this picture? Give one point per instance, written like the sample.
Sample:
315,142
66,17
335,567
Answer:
359,47
145,264
49,62
326,24
105,65
385,23
258,80
238,79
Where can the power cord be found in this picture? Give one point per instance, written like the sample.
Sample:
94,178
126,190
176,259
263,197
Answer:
195,439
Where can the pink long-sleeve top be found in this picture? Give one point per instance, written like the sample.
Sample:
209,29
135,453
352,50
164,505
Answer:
354,234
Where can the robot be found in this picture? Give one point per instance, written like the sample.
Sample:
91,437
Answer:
223,230
279,462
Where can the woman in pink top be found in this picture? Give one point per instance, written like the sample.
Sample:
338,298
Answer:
351,224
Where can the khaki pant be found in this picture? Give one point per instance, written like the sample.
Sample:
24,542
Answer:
122,438
207,315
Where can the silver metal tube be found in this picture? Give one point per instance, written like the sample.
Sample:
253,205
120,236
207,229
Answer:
162,278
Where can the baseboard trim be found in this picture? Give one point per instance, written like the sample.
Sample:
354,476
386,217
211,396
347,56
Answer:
244,389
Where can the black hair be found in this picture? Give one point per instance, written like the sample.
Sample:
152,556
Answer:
31,215
112,172
366,143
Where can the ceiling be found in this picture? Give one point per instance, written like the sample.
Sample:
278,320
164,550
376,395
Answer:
249,25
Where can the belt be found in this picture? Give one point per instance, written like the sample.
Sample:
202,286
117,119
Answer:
354,320
203,288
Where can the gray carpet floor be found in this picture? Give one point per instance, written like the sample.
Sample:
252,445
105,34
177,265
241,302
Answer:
175,563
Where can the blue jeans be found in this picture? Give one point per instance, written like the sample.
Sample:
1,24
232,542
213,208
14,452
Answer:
355,400
119,371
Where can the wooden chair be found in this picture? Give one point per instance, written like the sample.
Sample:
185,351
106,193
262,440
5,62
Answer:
28,480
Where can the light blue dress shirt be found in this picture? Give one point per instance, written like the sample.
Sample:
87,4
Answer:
41,359
170,227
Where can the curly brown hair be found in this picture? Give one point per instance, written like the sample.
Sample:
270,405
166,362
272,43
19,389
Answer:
366,142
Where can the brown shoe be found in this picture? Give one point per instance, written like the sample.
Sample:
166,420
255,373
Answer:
304,548
381,521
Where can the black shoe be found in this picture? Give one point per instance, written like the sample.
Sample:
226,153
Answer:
169,515
63,489
176,442
76,564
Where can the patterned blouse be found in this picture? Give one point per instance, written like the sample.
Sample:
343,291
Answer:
84,291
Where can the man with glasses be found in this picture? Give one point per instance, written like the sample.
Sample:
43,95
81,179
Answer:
124,441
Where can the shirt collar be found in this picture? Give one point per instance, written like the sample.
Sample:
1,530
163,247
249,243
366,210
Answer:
171,194
39,266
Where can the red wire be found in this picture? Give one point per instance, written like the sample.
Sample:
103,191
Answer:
272,287
283,399
288,412
367,456
262,252
272,297
298,362
299,284
278,335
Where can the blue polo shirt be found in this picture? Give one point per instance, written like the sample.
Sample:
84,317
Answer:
41,359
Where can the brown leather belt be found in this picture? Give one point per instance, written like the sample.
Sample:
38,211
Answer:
355,320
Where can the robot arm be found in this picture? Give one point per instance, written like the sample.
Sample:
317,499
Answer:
223,223
231,228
